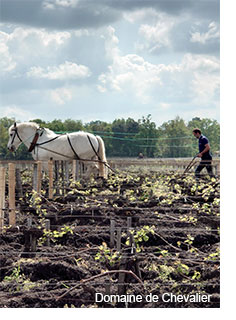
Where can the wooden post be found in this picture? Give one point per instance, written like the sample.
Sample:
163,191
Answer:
50,177
123,262
129,222
75,170
39,177
11,192
112,233
118,242
67,176
133,245
35,174
33,243
107,286
62,177
57,176
2,196
19,190
29,222
47,227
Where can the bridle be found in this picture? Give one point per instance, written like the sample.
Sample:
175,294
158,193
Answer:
15,134
34,141
33,144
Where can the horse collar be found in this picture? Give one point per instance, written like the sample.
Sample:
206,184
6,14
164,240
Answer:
34,141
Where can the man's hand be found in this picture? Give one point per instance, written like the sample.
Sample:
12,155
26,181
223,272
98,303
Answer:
199,155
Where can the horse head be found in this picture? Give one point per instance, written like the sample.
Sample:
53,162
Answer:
19,133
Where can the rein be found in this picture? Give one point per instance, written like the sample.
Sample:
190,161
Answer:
85,160
39,145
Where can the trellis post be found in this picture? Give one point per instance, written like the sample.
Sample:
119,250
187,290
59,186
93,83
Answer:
50,177
2,196
11,193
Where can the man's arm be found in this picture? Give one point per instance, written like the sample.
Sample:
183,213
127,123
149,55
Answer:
207,148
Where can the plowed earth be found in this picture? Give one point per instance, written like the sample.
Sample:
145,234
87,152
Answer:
175,225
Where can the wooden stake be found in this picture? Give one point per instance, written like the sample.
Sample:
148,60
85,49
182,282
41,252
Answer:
112,233
129,222
2,196
56,166
74,170
19,189
47,227
11,192
39,177
118,243
62,178
107,285
29,222
67,176
35,174
50,177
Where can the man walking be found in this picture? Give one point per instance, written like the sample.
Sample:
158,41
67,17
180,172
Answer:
204,154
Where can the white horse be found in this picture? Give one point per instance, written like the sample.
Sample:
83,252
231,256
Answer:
45,144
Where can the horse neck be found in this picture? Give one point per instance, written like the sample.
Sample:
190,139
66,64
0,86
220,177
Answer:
47,135
27,134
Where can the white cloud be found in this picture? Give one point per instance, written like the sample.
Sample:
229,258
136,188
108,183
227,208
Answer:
140,15
157,35
212,33
196,77
67,3
46,38
111,43
131,73
165,106
61,95
16,112
205,81
52,4
200,62
6,60
66,71
205,86
82,32
23,45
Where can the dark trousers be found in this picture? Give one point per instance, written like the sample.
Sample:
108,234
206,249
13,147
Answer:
204,164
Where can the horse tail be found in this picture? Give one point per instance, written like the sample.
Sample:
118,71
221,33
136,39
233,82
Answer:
102,155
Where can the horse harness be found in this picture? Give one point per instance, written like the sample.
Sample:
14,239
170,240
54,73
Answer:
39,134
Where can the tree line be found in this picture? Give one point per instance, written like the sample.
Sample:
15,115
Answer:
128,137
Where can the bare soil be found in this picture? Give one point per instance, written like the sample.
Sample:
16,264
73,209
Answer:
179,256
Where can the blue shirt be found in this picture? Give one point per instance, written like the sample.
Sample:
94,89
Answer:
202,143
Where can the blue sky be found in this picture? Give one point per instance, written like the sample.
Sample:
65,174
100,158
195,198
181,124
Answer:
101,60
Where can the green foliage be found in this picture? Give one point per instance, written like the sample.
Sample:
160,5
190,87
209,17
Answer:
22,283
165,271
128,137
181,268
215,256
141,235
177,140
21,154
107,255
55,235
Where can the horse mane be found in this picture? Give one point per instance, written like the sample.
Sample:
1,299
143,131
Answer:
48,130
34,125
